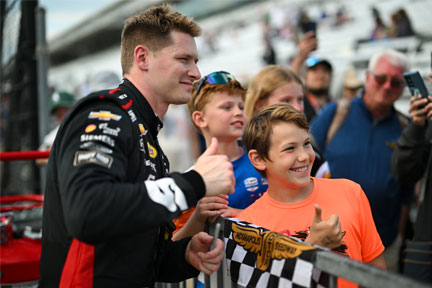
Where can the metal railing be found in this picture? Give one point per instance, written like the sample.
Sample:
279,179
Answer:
335,265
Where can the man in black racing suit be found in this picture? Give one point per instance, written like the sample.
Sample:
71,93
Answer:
109,199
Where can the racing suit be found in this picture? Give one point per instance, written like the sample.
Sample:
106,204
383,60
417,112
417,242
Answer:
109,199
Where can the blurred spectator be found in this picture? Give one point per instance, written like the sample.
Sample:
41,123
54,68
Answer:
412,161
351,84
317,81
269,56
341,16
362,147
380,30
60,103
401,25
318,75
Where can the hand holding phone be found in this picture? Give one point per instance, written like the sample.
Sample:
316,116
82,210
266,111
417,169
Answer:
416,84
309,26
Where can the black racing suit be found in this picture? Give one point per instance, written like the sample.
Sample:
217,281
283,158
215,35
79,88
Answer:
109,200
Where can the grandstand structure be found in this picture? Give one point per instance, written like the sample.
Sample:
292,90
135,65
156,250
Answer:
236,32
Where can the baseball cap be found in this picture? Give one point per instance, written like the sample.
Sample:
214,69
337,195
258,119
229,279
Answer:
61,99
312,61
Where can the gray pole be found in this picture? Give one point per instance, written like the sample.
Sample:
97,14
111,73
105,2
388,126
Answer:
42,81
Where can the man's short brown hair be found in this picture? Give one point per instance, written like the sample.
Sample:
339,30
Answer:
152,28
259,129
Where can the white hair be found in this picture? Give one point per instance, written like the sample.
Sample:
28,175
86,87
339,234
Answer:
396,58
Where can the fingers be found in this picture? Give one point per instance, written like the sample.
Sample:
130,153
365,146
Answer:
216,171
317,217
210,261
212,206
212,148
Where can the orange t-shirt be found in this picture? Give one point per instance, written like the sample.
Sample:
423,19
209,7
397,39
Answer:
335,196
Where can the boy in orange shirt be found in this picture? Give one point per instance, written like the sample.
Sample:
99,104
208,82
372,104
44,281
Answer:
278,145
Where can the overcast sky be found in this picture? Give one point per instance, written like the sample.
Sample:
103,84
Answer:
61,15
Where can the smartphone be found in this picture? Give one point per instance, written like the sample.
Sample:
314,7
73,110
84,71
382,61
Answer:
215,236
309,26
416,84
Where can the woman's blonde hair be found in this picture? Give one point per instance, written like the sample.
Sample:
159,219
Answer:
265,82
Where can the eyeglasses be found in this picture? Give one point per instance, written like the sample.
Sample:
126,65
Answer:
394,82
220,77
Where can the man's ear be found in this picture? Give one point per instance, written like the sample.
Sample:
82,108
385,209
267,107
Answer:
257,161
198,119
141,55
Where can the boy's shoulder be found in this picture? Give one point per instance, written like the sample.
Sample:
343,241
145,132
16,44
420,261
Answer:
340,185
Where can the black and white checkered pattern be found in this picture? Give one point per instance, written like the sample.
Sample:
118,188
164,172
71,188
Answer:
290,272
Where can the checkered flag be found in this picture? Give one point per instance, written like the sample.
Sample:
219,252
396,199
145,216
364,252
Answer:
257,257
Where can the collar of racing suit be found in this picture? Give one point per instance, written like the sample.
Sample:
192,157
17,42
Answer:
144,108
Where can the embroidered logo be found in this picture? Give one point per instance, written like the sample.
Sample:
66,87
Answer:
152,151
104,115
90,128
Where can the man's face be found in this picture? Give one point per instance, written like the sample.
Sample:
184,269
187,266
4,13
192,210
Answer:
318,77
291,157
173,69
384,85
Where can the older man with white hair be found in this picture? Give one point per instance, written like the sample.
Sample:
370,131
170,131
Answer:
362,147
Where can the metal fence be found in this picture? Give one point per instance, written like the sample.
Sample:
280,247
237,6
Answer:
333,264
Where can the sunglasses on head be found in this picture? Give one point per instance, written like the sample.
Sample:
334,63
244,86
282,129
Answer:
394,82
220,77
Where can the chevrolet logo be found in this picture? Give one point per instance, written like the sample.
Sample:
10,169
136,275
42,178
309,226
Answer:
104,115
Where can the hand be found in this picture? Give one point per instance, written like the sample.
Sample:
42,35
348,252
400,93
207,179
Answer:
325,233
419,115
216,171
197,253
230,212
209,208
307,44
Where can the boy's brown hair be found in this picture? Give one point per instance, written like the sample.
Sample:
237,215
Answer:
198,102
259,129
152,28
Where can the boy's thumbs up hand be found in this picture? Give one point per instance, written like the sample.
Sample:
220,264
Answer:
326,233
216,171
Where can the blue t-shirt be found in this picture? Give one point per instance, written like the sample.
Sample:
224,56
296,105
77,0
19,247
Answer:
250,185
361,151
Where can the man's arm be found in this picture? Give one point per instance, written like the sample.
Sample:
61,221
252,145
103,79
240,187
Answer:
306,45
192,255
379,262
208,208
100,203
409,159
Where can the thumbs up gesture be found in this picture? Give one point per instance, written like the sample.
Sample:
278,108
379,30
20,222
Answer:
216,171
326,233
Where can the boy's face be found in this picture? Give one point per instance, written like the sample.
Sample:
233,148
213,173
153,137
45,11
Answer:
223,117
291,156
